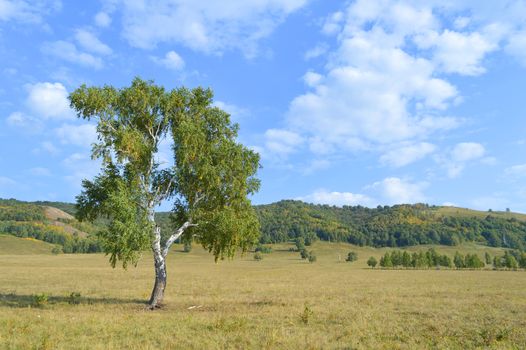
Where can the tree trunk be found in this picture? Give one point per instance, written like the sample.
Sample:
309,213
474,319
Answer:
156,298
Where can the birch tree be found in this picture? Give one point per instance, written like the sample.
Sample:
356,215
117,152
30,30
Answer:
209,178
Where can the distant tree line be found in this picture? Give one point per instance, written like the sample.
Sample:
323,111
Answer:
431,259
396,226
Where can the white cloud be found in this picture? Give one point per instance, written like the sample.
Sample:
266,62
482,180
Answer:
462,154
405,155
171,60
22,121
517,46
466,151
281,143
80,166
399,191
46,147
516,171
90,42
27,11
69,52
211,27
236,112
79,135
102,19
337,198
316,51
5,181
49,100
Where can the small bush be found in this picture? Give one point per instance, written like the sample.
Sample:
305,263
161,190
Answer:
312,257
258,256
304,253
352,256
40,300
57,250
74,298
263,249
306,315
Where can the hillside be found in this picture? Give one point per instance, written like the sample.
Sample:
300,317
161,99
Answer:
47,223
22,246
396,226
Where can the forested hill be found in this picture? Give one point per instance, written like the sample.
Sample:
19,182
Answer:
396,226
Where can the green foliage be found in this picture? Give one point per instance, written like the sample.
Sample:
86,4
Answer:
57,250
258,256
40,300
74,298
265,249
422,260
396,226
352,256
487,258
300,244
312,257
209,181
372,262
304,253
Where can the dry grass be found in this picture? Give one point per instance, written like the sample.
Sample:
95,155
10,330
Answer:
280,302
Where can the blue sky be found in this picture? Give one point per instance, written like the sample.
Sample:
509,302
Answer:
361,102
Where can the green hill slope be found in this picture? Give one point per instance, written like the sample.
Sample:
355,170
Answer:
48,224
11,245
396,226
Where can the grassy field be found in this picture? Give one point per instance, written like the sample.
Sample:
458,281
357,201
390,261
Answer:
280,302
23,246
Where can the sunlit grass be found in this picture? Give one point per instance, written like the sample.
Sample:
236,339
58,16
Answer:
247,304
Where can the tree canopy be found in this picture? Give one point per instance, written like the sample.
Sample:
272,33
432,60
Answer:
208,175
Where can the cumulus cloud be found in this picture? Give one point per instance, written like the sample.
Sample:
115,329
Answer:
388,83
69,52
25,122
394,190
79,135
89,42
466,151
102,19
462,154
210,27
236,112
337,198
171,60
27,11
405,155
49,101
281,143
516,171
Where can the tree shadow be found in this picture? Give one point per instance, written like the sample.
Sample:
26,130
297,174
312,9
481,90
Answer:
14,300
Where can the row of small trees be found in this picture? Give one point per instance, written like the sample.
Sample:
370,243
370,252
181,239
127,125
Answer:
430,259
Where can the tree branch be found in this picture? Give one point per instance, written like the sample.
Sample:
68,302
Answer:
178,233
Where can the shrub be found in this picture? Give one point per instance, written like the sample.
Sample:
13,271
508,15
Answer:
40,300
306,315
258,256
263,249
312,257
57,250
304,253
352,256
372,262
74,298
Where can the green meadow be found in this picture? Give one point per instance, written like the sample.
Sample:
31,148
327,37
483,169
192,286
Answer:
77,301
